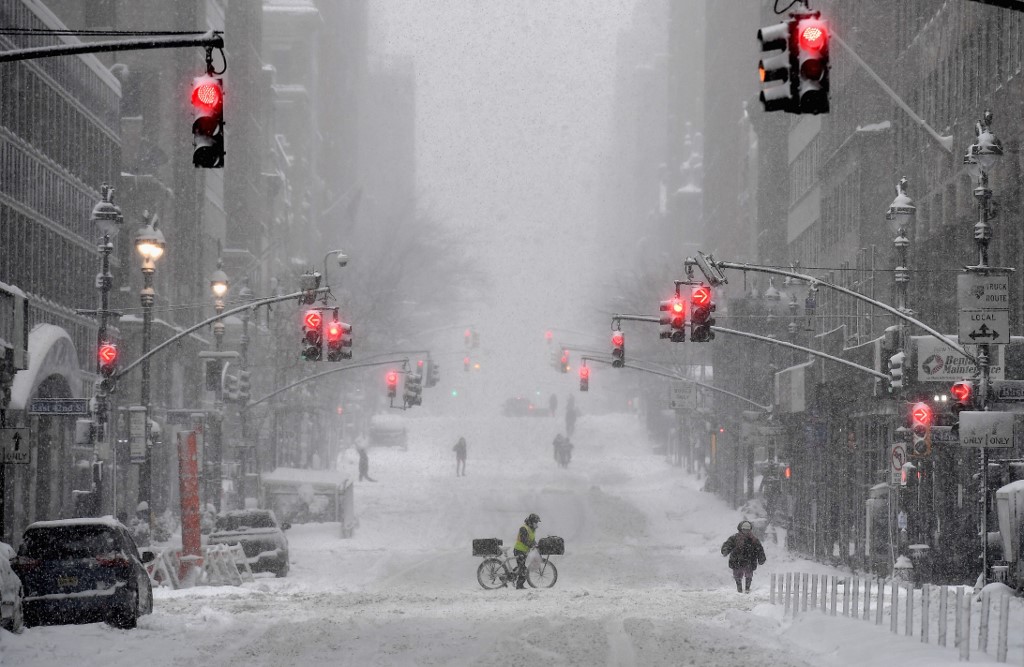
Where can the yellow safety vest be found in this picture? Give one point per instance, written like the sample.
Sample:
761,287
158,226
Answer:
519,545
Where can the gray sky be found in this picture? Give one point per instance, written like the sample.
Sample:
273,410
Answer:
513,112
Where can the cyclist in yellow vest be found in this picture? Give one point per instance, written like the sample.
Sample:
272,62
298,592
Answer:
526,540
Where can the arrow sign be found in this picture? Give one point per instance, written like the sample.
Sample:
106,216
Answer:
984,326
14,446
108,353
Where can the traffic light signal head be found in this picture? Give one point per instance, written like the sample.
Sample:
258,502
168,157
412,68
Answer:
776,68
469,338
312,335
392,381
896,371
207,122
107,356
675,318
701,307
244,386
618,349
413,393
433,375
465,364
921,429
584,378
962,392
812,66
564,361
338,339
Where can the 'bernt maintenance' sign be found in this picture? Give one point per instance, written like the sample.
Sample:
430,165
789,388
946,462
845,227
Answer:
938,362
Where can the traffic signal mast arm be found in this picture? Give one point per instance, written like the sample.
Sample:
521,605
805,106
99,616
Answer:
361,364
213,39
757,268
205,323
676,376
823,355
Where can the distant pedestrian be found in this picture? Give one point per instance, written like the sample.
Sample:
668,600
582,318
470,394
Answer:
364,466
570,420
553,404
745,554
460,457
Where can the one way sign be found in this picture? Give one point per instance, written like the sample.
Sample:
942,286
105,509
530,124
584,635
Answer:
14,446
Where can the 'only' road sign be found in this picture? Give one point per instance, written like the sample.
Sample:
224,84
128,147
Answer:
14,446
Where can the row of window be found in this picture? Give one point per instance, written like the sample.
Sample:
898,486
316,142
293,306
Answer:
69,73
47,119
40,186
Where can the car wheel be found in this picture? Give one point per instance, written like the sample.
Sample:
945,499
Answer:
126,617
282,569
17,621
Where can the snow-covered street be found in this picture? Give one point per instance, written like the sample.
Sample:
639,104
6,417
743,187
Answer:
642,581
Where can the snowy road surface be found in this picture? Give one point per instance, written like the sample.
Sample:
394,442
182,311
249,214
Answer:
642,581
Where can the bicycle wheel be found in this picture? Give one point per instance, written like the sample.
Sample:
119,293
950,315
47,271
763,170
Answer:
545,577
491,574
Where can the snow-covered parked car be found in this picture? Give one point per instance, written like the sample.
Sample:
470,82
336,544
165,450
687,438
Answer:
11,616
82,571
261,536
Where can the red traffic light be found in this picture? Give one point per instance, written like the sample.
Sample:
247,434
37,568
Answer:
584,372
618,339
961,391
677,306
548,336
334,332
392,379
813,35
107,354
206,92
313,319
921,414
702,296
788,473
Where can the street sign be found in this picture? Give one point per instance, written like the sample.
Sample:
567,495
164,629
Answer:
943,435
984,326
137,433
897,457
59,406
1008,390
990,430
684,395
14,446
982,292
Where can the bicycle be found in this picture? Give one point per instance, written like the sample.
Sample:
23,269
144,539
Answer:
496,573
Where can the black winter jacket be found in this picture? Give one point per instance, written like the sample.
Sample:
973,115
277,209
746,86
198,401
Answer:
744,550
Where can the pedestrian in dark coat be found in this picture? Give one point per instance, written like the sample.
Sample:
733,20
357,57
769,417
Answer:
460,457
745,554
364,466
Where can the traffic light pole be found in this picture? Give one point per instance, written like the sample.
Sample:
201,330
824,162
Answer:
757,268
304,380
252,305
213,39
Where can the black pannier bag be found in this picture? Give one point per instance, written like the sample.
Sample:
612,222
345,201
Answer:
551,546
490,546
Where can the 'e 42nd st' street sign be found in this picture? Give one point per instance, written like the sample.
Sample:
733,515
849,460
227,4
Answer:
59,406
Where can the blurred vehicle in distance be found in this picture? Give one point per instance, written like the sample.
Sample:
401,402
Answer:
388,431
520,406
11,611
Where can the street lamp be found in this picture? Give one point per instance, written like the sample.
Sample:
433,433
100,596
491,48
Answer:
149,242
986,151
219,284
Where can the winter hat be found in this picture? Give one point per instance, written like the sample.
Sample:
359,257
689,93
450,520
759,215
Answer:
744,525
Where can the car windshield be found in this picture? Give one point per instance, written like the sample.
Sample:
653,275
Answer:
244,521
65,542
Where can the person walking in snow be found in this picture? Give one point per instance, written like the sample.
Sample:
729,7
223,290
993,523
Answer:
745,554
364,466
460,457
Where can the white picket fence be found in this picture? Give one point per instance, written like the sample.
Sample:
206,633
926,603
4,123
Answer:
924,609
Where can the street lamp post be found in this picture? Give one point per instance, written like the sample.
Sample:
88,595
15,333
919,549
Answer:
980,158
219,286
108,218
901,216
149,242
